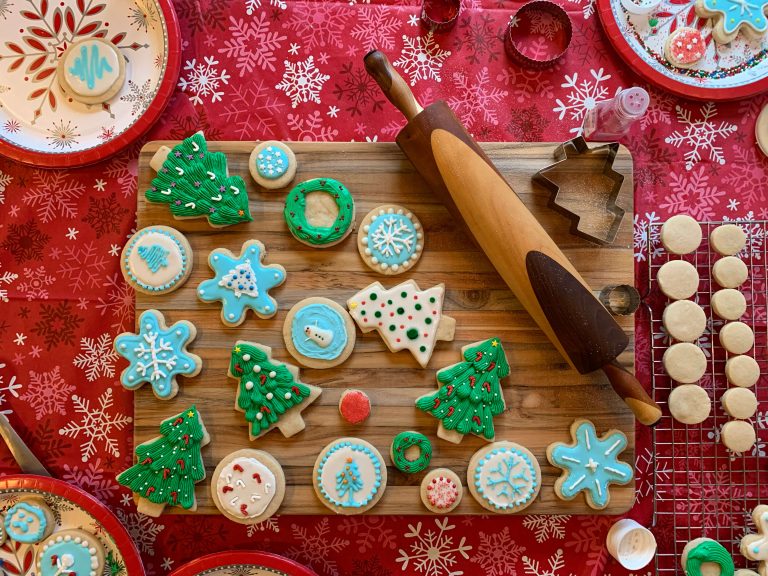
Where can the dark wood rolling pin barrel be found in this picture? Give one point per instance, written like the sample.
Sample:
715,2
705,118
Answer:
525,256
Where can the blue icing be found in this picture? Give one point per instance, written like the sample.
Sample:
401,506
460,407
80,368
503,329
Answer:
241,283
155,256
89,68
355,496
67,555
155,355
132,245
738,12
319,331
392,238
26,523
272,162
591,464
511,482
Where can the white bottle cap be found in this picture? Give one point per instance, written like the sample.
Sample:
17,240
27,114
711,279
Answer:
631,544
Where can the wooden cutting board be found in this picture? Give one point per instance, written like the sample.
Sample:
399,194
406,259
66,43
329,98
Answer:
543,394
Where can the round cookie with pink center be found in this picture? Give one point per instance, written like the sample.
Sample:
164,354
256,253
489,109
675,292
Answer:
441,490
684,47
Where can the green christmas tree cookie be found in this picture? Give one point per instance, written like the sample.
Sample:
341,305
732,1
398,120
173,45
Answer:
195,183
168,467
470,393
269,392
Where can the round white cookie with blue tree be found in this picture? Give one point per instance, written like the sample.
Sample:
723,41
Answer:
504,477
156,260
71,553
157,354
390,239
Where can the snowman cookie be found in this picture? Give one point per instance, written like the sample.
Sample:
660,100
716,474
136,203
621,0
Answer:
319,333
29,521
71,552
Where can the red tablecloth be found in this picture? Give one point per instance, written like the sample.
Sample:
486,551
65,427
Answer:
257,69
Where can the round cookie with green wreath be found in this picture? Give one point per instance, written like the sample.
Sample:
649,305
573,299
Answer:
319,333
320,212
272,165
705,551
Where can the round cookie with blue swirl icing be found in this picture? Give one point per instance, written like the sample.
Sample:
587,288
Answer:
319,333
349,476
272,165
92,70
71,552
29,521
504,477
390,239
156,260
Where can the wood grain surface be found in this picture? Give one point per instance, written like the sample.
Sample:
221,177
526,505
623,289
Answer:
543,394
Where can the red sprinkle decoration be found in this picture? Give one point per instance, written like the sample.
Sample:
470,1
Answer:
237,468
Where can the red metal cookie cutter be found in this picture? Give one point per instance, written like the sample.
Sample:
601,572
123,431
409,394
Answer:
538,34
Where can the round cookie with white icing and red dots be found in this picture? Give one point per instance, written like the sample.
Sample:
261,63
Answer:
441,490
248,486
684,47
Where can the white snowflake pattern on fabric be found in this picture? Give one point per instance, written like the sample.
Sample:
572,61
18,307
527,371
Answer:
692,193
700,134
645,235
34,283
587,7
317,547
497,553
476,101
755,235
96,425
645,484
143,530
82,264
53,195
5,181
525,84
310,128
203,79
421,58
269,525
582,96
555,562
11,387
6,277
545,24
98,357
93,479
546,527
375,28
433,552
47,393
302,81
251,109
252,44
252,5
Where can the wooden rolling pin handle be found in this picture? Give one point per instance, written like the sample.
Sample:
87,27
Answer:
392,84
632,392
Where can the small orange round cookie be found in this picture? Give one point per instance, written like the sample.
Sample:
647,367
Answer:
441,490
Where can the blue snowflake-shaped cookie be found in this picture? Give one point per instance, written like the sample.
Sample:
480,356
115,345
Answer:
157,354
590,464
241,282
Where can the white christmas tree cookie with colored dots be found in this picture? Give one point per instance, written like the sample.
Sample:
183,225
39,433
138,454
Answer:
406,317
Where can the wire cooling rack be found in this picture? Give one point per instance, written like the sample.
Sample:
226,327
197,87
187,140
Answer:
702,489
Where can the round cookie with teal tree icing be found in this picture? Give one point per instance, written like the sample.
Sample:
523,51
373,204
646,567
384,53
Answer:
590,464
242,282
71,552
390,239
319,333
272,165
156,260
504,477
29,521
349,476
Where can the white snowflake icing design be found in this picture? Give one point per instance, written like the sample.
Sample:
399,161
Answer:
393,236
143,529
252,5
302,81
644,235
47,393
34,283
98,357
252,44
545,527
700,134
555,562
96,425
12,387
5,181
475,100
203,79
583,96
433,552
421,58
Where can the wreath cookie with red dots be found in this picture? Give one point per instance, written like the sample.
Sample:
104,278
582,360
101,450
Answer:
319,212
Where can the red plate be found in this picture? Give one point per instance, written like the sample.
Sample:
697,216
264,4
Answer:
87,503
220,563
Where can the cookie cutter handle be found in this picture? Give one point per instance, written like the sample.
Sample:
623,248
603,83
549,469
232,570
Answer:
632,392
24,457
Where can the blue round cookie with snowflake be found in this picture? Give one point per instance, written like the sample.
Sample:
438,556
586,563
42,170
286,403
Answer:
504,477
391,239
272,164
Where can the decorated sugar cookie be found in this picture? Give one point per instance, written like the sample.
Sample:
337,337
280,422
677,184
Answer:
156,260
272,165
354,406
349,476
590,464
157,354
242,282
731,16
390,239
470,393
406,317
441,490
248,486
320,212
755,546
168,466
29,521
195,183
268,392
706,551
401,447
92,70
319,333
71,553
684,47
504,477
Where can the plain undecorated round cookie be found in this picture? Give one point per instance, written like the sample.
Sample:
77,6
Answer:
690,404
729,304
678,279
737,337
742,371
684,320
738,435
728,239
730,272
739,403
681,234
685,362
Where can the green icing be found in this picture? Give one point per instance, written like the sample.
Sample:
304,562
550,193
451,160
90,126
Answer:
400,446
296,205
709,551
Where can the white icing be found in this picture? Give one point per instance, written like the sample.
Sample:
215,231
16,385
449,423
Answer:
319,336
335,464
103,81
248,493
164,274
241,280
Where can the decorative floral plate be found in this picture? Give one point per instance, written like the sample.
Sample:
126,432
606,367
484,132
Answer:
240,563
72,508
39,123
725,72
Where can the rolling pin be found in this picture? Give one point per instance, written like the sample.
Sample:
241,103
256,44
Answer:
533,266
